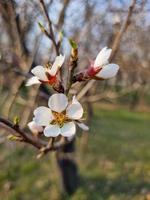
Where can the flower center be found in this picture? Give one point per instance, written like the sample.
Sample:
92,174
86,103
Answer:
51,79
93,71
59,118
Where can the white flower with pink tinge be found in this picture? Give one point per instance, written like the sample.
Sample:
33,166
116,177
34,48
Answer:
102,69
34,127
61,117
46,74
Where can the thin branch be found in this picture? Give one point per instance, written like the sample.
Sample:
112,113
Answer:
51,32
26,137
62,14
123,29
38,143
72,67
85,89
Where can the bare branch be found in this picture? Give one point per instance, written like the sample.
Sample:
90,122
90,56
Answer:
123,29
51,32
62,13
85,89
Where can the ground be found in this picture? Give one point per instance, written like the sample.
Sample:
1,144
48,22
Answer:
113,165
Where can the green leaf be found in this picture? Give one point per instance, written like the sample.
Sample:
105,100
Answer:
73,43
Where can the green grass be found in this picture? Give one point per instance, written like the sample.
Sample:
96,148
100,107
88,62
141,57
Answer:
114,165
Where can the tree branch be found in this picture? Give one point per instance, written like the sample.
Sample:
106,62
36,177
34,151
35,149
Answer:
38,143
124,27
51,32
115,46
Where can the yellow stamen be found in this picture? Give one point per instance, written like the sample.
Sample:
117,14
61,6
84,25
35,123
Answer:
48,65
59,118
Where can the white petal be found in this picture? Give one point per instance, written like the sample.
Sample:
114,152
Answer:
56,65
102,57
39,71
34,127
70,138
68,129
108,71
52,130
74,99
75,110
58,102
83,126
33,80
43,116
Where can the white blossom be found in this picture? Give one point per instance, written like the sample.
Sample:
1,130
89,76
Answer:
61,117
45,74
34,127
106,70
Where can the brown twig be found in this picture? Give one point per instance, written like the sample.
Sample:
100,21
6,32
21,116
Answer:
123,29
26,137
51,32
72,67
38,143
62,14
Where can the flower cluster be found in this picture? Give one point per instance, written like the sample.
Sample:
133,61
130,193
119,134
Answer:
61,116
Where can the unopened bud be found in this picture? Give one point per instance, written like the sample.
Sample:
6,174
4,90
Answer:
74,50
41,27
60,36
43,30
74,54
73,44
16,121
14,138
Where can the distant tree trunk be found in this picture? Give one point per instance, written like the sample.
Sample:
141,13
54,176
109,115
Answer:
135,100
68,168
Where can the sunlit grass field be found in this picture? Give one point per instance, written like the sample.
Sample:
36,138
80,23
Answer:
113,165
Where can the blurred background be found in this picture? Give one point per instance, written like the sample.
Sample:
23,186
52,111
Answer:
114,157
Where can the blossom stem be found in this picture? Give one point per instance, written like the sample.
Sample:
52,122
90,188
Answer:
72,67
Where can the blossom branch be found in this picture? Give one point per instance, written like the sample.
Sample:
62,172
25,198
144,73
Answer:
26,138
38,143
82,76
